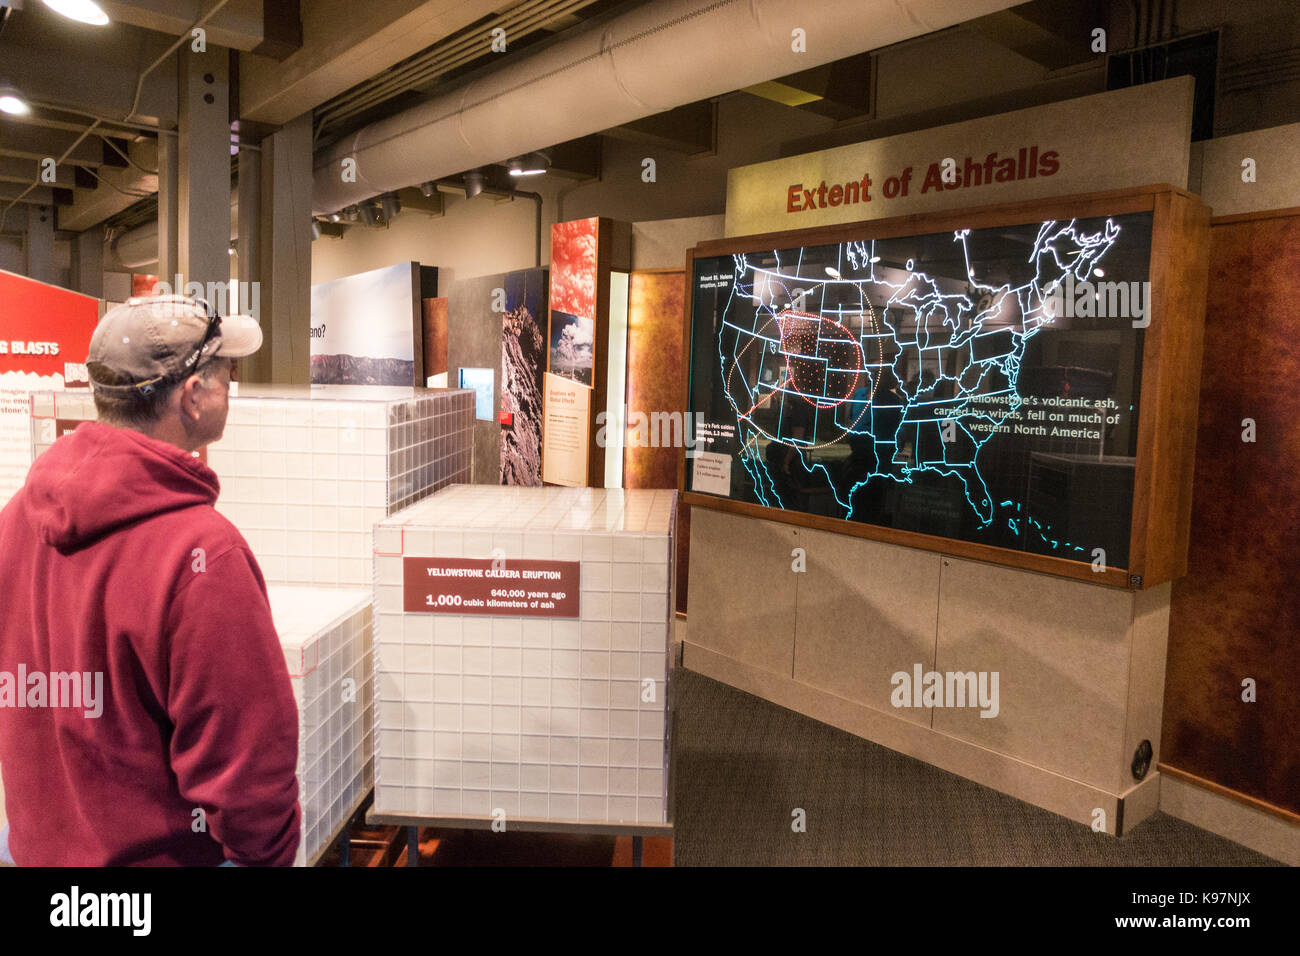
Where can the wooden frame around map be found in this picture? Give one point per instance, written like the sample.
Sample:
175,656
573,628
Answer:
1169,390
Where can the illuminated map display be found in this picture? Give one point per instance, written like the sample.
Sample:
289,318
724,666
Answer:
979,384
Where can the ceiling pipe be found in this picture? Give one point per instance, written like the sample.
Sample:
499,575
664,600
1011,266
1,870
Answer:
651,59
136,250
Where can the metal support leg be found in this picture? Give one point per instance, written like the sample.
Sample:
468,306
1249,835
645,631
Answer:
345,846
636,851
412,846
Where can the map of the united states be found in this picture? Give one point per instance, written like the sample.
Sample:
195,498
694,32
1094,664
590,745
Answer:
915,372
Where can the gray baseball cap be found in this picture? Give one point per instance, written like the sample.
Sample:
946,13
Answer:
158,340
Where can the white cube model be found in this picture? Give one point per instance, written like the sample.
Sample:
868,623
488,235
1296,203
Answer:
307,472
326,634
499,690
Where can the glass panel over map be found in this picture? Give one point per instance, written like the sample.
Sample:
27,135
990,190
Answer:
980,384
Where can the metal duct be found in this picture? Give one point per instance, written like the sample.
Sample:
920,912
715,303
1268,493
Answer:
654,58
137,249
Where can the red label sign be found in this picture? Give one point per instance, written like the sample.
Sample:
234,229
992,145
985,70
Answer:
522,588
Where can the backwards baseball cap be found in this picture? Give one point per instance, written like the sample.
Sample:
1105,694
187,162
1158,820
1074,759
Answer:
157,340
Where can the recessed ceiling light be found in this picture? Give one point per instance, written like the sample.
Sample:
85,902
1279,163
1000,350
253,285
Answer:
83,11
833,272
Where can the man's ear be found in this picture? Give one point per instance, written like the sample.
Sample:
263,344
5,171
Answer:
188,393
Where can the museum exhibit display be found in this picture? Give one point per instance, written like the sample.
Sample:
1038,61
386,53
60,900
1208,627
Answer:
878,462
369,328
976,388
327,638
942,352
44,335
587,351
497,326
307,472
305,475
523,361
522,659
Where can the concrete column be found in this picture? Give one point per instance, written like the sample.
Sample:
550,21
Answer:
283,256
203,159
168,191
88,262
40,244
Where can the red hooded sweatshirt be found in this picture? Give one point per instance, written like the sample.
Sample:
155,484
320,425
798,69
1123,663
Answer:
113,562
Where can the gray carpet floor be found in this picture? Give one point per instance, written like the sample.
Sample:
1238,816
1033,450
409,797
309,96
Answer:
743,765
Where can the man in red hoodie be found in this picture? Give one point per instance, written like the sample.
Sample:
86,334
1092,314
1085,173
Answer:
146,715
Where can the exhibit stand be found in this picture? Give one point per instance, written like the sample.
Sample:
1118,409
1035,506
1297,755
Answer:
327,638
306,474
522,660
956,464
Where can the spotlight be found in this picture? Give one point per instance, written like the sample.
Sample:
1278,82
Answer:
12,102
315,230
473,183
833,272
1098,272
352,214
391,205
230,249
369,212
428,189
83,11
335,217
534,164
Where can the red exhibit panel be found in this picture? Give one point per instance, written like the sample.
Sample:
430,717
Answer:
44,332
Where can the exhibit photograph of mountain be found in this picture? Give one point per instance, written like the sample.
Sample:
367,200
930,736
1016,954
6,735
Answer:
365,327
523,357
360,370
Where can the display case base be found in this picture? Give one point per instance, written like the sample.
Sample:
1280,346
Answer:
1024,781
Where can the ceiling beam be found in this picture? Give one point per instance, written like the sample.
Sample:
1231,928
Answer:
33,142
116,189
36,196
1051,33
239,24
89,69
841,90
691,129
344,43
24,171
281,29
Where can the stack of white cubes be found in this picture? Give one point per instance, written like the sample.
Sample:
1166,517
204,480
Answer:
305,475
327,638
541,719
